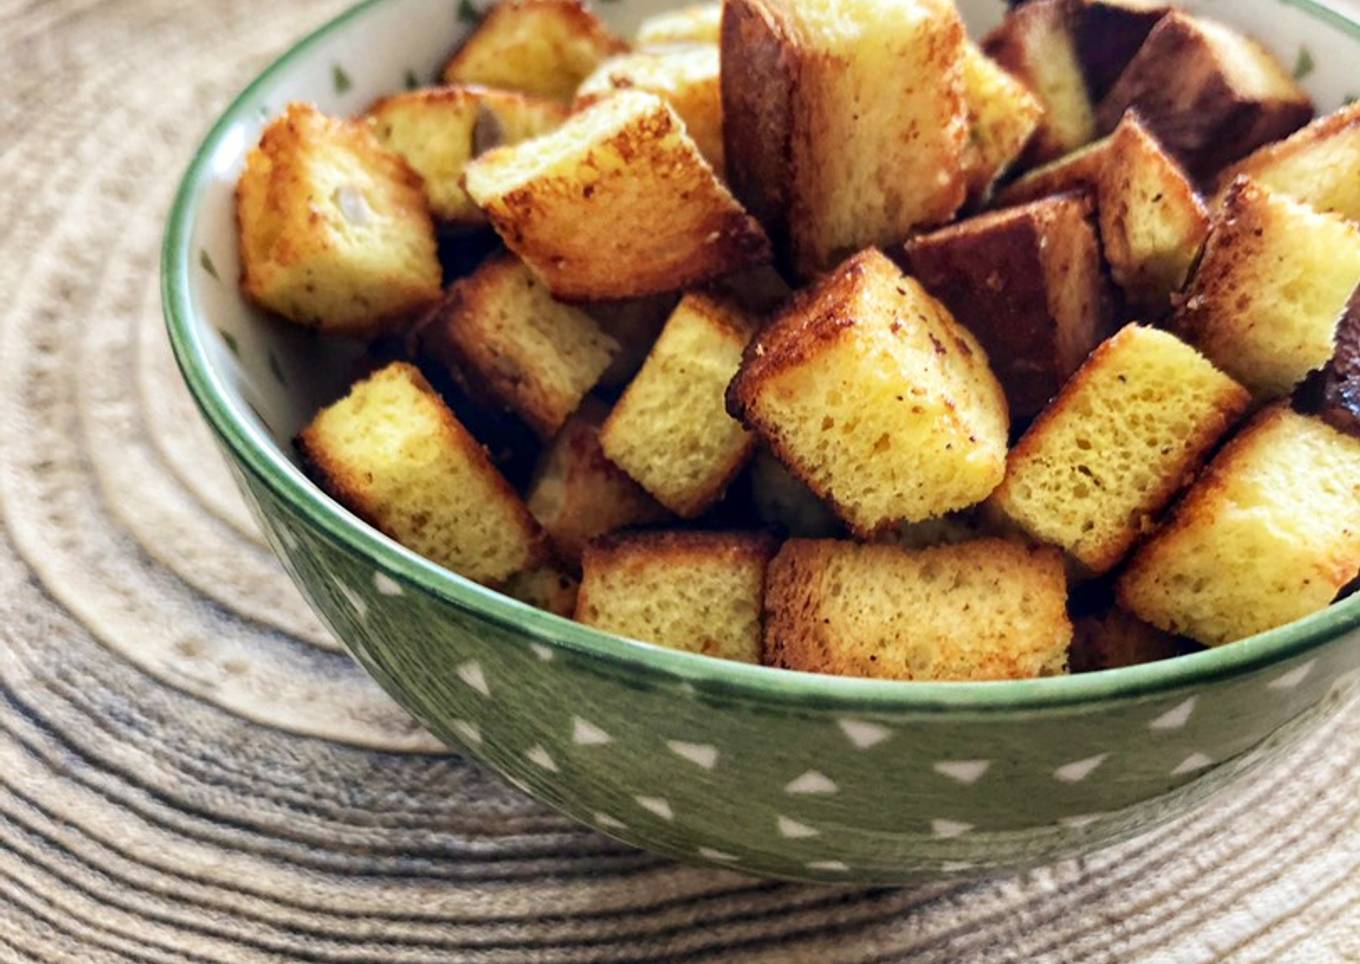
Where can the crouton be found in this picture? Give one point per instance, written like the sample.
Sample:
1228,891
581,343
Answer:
1209,94
544,47
845,123
1036,44
1127,432
1028,282
694,591
684,75
1270,288
635,326
1109,34
1002,114
616,203
438,130
1075,172
785,503
504,338
1269,534
334,229
670,431
982,610
1152,222
1338,383
1315,165
393,454
546,587
701,23
1114,639
578,494
876,397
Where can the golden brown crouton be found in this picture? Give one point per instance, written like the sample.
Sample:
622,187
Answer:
1272,284
982,610
1036,43
1002,115
695,591
670,431
616,203
1315,165
876,397
1114,639
547,587
1027,281
1152,222
438,130
334,229
1127,432
684,75
578,494
783,502
845,123
1209,94
1109,33
393,454
503,337
1075,172
544,47
701,23
1269,534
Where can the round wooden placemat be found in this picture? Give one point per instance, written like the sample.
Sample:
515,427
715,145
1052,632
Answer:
150,813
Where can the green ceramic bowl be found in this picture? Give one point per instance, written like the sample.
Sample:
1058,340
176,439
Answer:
773,772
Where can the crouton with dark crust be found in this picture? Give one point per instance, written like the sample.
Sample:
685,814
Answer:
1109,34
1333,393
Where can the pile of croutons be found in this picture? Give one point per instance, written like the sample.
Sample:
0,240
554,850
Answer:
819,335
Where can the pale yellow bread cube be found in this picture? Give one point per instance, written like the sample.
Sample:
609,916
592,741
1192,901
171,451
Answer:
616,203
503,337
1269,534
1113,639
544,47
438,130
393,454
670,431
845,121
577,494
1074,172
1125,435
1315,165
694,591
982,610
876,397
547,587
335,233
783,502
1271,287
1036,43
700,23
685,75
1002,115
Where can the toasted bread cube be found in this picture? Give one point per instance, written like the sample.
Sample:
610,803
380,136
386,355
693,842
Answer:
1028,282
845,123
1337,386
1315,165
438,130
1002,115
1209,94
1132,426
1036,43
544,47
1109,34
393,454
1273,282
1269,534
701,23
1114,639
635,325
982,610
578,494
334,229
785,503
616,203
1152,221
1071,173
876,398
684,75
547,587
502,336
693,591
670,431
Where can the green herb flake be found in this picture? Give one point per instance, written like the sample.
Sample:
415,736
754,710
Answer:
230,339
412,81
467,13
340,79
277,369
206,261
1303,65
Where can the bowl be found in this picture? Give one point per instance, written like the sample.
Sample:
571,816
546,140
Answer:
771,772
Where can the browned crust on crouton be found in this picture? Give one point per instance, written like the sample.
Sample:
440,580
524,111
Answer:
1300,142
1075,172
1109,33
1185,97
1334,392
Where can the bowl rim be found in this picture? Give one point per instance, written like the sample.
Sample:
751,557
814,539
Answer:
253,451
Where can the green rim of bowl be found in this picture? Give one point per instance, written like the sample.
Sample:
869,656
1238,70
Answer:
738,682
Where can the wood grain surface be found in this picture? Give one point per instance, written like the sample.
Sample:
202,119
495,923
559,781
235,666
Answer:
191,771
